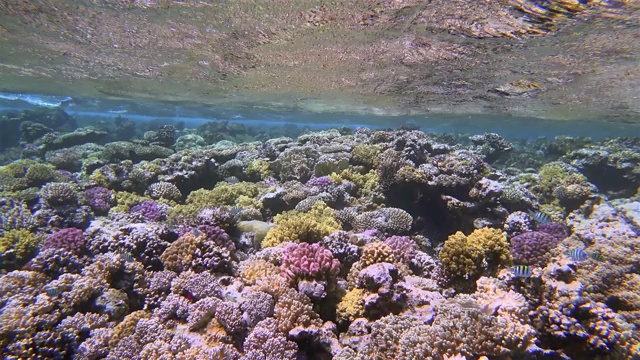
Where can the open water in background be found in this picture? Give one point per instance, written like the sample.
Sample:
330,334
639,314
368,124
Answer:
89,111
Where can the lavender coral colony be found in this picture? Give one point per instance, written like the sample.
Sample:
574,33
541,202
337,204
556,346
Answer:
221,243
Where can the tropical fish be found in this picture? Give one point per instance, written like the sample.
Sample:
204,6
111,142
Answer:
540,217
127,257
232,180
577,254
196,232
522,271
53,292
596,256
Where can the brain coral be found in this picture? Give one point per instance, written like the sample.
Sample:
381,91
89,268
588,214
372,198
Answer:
468,256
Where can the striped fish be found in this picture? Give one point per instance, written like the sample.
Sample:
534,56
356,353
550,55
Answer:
127,257
53,292
577,254
232,180
596,256
540,217
521,271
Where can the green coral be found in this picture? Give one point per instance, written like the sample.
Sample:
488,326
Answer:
367,185
551,175
242,194
126,200
258,169
483,251
366,155
296,226
21,174
145,173
38,174
17,246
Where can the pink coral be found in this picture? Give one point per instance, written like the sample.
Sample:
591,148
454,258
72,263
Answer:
308,261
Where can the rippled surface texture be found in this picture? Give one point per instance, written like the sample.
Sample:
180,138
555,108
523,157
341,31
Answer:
564,59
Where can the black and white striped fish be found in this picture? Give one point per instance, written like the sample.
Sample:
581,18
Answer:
540,217
521,271
577,254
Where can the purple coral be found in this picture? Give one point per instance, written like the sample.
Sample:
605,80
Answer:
308,261
69,239
100,199
556,230
150,210
322,182
532,248
403,247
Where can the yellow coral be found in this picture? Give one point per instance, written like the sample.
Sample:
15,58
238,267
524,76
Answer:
367,186
351,306
259,169
127,326
21,244
224,194
376,252
178,256
294,309
484,249
295,226
257,269
366,155
126,200
244,201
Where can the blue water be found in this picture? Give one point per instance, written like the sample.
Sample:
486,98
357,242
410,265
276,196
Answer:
88,111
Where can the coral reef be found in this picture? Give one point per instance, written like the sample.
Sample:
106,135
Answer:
391,244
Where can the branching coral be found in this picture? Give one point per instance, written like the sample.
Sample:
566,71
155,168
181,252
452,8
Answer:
484,250
17,247
305,261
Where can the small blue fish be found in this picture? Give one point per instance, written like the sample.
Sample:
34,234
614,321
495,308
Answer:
540,217
235,210
521,271
596,256
196,232
577,254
